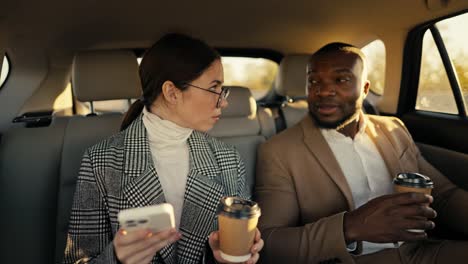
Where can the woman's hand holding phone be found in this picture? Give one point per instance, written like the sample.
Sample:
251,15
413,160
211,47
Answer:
144,231
140,246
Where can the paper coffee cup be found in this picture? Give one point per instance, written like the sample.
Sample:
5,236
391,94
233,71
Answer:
237,220
413,182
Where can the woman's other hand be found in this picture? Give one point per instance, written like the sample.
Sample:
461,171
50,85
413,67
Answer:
213,240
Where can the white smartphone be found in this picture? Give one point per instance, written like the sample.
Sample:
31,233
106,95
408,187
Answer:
158,218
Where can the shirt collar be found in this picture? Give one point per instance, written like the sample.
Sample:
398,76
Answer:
334,135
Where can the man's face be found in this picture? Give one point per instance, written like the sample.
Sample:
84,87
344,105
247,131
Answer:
336,88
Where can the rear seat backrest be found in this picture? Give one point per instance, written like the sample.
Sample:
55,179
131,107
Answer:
29,173
241,126
39,166
97,76
81,133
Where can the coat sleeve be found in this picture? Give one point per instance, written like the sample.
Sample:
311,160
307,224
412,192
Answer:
287,239
243,188
449,199
89,238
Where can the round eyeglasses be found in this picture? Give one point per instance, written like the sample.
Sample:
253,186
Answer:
222,95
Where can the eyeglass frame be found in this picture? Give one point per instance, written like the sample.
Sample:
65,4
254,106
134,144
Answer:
222,95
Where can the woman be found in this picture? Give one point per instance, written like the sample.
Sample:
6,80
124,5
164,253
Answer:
161,155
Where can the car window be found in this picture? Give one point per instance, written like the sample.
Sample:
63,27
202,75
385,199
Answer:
257,74
435,92
376,59
64,101
5,70
119,105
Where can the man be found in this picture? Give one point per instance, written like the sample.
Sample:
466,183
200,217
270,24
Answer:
325,185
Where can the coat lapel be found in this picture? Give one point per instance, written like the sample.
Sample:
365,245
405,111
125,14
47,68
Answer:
381,139
142,186
318,146
202,195
141,181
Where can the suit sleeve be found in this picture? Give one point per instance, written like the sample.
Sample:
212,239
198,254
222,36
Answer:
287,240
448,198
89,238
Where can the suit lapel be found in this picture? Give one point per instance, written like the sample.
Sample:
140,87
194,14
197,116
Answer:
142,185
318,146
202,195
381,139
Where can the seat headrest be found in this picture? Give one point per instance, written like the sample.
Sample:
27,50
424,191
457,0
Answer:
240,117
241,103
291,80
105,75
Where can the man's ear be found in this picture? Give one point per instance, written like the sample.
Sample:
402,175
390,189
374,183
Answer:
170,92
366,87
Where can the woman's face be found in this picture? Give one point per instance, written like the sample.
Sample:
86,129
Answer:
197,108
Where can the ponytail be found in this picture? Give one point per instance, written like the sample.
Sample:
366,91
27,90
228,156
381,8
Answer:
133,112
175,57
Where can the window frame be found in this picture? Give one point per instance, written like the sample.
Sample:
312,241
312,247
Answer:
412,56
5,55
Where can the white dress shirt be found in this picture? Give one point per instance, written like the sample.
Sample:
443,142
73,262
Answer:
364,170
169,149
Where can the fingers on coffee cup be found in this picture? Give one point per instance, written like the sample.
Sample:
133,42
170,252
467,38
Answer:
413,182
237,221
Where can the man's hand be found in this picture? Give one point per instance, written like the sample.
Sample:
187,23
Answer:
388,218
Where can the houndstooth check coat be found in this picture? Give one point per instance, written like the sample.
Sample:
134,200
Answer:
118,173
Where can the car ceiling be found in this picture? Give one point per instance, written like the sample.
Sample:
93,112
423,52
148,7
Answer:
286,26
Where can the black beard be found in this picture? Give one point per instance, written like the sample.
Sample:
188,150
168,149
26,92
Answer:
338,124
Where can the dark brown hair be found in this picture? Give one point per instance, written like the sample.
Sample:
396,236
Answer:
175,57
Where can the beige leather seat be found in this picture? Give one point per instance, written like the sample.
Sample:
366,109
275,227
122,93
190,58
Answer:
39,165
245,126
96,76
291,83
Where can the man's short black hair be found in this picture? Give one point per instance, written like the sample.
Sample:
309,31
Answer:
340,46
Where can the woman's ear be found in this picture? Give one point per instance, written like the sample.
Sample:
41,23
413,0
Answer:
170,92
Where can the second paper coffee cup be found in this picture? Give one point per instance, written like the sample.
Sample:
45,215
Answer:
413,182
237,220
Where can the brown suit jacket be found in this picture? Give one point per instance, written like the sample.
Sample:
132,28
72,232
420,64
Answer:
304,194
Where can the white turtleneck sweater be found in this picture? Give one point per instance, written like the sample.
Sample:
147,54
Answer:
169,149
